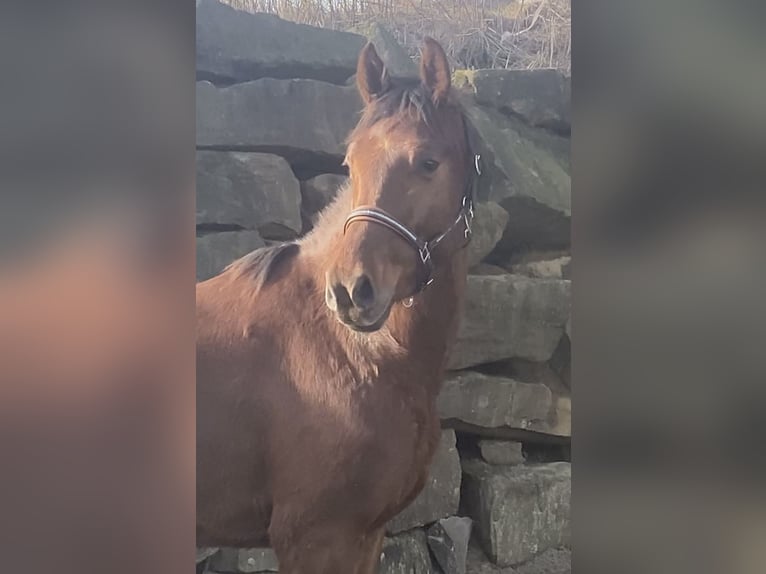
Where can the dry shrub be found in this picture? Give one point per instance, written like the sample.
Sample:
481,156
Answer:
513,34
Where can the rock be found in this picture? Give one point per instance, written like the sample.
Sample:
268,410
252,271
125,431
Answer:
248,560
547,269
562,407
487,269
448,541
398,62
245,560
441,495
249,190
519,161
501,452
492,402
235,46
531,226
566,269
319,191
478,563
531,372
518,511
541,97
224,561
304,121
205,553
555,373
216,250
527,173
553,561
406,553
488,227
561,362
257,560
540,452
509,316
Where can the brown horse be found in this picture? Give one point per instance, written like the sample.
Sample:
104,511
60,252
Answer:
319,362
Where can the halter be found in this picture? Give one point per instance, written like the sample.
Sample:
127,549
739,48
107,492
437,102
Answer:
424,248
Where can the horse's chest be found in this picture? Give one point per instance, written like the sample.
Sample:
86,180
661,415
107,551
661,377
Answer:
367,437
391,458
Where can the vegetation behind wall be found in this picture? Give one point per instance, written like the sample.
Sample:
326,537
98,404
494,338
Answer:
511,34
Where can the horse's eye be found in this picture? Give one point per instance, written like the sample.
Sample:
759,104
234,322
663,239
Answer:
430,165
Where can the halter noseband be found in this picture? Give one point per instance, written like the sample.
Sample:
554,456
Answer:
423,248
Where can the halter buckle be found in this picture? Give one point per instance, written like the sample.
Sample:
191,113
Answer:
467,216
425,253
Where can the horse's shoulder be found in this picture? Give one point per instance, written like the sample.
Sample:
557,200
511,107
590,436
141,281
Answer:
266,264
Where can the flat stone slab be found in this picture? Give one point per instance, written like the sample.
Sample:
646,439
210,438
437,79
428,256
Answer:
553,561
501,452
541,97
527,171
250,190
510,316
292,117
488,226
544,269
448,540
318,192
406,553
499,402
518,511
237,46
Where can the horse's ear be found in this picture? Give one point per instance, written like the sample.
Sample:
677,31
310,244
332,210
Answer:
371,75
434,70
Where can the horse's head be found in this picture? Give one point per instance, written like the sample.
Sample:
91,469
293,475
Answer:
410,167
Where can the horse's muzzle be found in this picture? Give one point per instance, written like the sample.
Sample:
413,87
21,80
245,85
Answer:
360,308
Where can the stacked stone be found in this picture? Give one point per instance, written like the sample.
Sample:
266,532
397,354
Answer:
275,102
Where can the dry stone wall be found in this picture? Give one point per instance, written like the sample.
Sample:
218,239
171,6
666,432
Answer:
275,102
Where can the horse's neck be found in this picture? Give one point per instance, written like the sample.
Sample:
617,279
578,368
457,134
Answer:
429,326
414,340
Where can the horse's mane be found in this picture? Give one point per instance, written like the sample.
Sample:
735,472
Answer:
263,265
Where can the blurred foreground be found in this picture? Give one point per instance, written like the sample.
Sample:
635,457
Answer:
668,347
96,289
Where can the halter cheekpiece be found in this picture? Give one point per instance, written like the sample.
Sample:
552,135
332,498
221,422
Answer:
424,248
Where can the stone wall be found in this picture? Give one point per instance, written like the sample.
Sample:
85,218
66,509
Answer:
275,101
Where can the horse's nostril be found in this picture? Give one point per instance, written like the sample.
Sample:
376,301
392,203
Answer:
363,295
342,298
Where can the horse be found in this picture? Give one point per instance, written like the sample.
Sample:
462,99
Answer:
319,360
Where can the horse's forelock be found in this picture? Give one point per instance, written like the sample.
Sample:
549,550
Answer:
403,98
